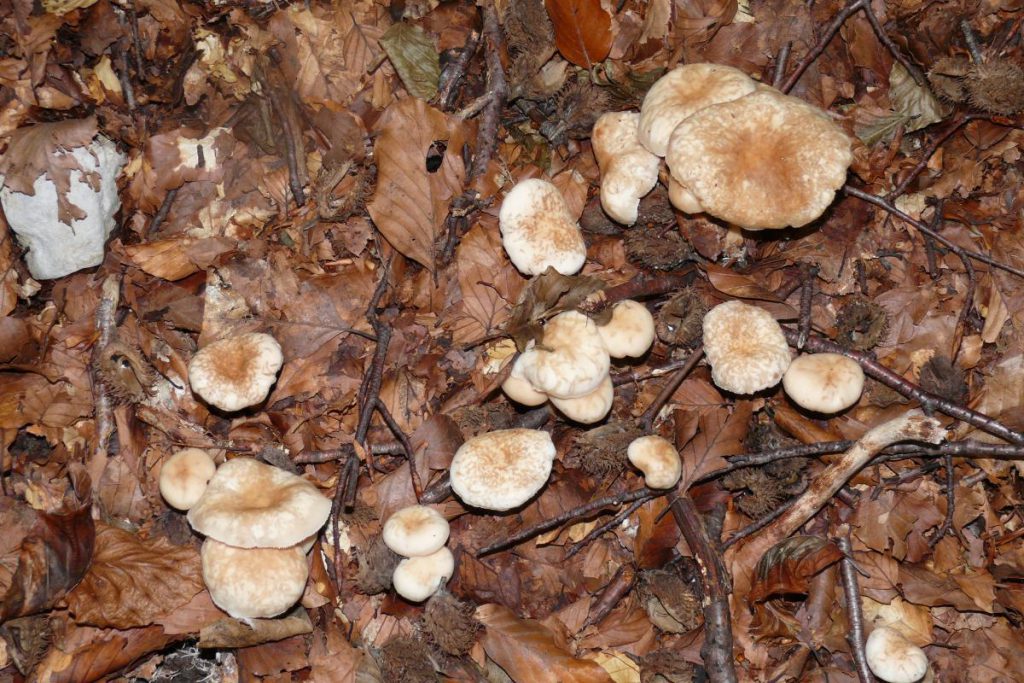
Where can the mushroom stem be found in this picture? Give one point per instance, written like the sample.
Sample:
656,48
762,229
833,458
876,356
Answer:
734,246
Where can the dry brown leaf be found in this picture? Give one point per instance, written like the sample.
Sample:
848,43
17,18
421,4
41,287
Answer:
583,30
719,435
174,259
230,632
133,582
489,283
89,654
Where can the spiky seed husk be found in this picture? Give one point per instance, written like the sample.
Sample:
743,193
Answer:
126,374
450,624
406,660
764,435
680,320
996,87
577,106
946,78
666,666
940,377
601,452
670,602
377,563
862,324
657,248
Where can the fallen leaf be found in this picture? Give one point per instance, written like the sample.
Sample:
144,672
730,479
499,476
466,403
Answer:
583,30
719,435
415,57
89,654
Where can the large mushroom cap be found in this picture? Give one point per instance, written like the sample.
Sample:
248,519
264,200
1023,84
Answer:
503,469
538,231
630,332
236,372
249,504
683,92
571,361
628,170
253,583
824,382
765,160
184,477
745,347
415,531
893,658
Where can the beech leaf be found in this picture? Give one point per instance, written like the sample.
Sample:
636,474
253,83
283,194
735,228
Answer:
415,58
583,30
718,437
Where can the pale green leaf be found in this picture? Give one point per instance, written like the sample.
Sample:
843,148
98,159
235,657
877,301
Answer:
415,58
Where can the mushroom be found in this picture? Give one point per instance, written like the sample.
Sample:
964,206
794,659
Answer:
681,93
253,583
682,198
628,170
236,372
571,361
184,476
517,388
417,578
538,231
415,531
824,382
658,459
765,160
590,408
893,658
745,347
630,332
249,504
502,469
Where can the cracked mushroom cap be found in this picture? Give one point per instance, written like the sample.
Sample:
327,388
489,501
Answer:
415,531
630,332
236,372
249,504
417,578
502,469
893,658
824,382
658,459
766,160
538,231
253,583
184,476
628,170
681,93
745,347
590,408
571,361
519,389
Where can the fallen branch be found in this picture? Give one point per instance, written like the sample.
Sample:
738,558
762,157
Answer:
103,407
646,421
855,613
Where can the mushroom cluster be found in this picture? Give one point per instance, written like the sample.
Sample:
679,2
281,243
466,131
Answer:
570,366
419,534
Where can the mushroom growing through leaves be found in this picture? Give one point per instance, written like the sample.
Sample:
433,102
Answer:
745,347
893,658
236,372
538,231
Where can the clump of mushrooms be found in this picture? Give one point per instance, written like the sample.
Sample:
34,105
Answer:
419,533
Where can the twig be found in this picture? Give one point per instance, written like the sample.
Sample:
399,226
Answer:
717,649
647,419
607,526
161,214
780,64
133,26
106,329
929,151
947,523
759,524
855,613
807,275
453,73
627,377
639,287
410,455
319,457
617,588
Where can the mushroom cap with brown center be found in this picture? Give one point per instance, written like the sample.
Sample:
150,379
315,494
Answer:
253,583
571,361
184,477
658,459
824,382
249,504
502,469
590,408
893,658
538,231
628,170
745,347
236,372
417,578
765,160
415,531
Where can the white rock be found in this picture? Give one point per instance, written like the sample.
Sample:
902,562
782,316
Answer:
56,249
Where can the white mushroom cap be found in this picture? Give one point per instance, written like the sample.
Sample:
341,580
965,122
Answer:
590,408
415,531
517,388
682,198
249,504
538,231
681,93
630,332
893,658
745,347
184,476
658,459
236,372
417,578
762,161
628,170
824,382
571,361
253,583
503,469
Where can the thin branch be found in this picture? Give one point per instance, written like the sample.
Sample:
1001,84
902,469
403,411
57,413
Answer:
106,328
617,588
759,524
947,523
855,613
410,456
647,419
815,52
607,526
807,275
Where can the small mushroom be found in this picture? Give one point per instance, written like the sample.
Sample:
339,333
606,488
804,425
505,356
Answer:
745,347
630,332
538,231
253,583
184,476
417,578
519,389
893,658
628,170
658,459
502,469
590,408
571,361
824,382
236,372
415,531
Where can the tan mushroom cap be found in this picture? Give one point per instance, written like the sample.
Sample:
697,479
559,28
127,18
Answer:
417,578
658,459
253,583
249,504
893,658
517,388
824,382
682,198
630,332
745,347
590,408
571,361
415,531
681,93
184,476
762,161
628,170
502,469
236,372
538,231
